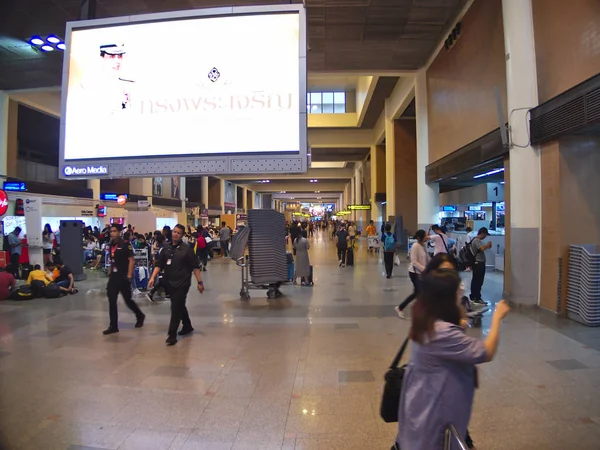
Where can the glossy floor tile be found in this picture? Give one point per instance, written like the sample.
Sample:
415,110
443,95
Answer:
304,371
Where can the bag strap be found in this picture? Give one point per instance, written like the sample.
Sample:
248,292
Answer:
398,357
444,242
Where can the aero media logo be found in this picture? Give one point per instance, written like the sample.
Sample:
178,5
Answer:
68,171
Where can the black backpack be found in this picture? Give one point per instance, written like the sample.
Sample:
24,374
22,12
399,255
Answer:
38,288
22,293
466,254
52,291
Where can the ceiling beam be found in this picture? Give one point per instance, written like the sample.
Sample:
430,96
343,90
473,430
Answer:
402,95
319,137
344,174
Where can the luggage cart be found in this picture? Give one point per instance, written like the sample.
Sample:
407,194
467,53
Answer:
272,289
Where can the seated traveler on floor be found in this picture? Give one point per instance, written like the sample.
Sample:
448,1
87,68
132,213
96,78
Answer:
63,276
439,384
7,284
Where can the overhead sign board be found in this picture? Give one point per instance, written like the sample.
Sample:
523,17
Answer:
143,204
359,207
15,186
112,196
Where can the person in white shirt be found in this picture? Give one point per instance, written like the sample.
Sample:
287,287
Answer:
419,259
47,242
442,242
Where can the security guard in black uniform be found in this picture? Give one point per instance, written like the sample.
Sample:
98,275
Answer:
178,261
119,280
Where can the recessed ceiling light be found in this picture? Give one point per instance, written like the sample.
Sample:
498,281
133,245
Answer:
61,46
47,48
53,39
36,40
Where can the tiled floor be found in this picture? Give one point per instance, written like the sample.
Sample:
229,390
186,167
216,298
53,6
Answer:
304,371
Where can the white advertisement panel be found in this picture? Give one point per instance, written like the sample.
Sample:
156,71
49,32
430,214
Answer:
221,85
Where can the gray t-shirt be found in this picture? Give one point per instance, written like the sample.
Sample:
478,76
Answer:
478,250
225,233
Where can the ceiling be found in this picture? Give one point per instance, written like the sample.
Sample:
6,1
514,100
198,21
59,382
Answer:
343,35
466,179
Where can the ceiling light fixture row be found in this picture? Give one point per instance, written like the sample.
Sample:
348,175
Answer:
487,174
314,181
47,43
265,181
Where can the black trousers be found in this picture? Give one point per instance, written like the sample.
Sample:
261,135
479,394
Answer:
417,287
203,256
120,284
388,259
477,280
179,313
14,262
342,254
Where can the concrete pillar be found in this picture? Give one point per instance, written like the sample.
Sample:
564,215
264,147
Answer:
428,195
94,185
406,173
222,194
204,191
525,177
390,162
141,186
9,116
245,200
377,181
182,193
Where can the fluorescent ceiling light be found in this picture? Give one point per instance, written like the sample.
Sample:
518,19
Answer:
328,165
487,174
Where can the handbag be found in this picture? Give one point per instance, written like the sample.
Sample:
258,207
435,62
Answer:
390,400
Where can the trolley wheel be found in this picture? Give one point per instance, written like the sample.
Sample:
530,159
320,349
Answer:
245,297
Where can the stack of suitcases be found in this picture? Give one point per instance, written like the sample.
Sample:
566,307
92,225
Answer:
268,261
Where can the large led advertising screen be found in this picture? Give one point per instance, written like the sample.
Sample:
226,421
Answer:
183,87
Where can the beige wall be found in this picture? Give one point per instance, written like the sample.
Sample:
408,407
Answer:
570,208
406,172
11,138
567,44
460,82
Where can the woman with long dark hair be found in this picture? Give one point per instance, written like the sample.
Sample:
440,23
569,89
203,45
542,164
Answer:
419,258
439,383
47,242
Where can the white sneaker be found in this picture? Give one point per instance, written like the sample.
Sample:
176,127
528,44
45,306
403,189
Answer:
399,312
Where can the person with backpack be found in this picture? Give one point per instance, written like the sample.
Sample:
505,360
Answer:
389,249
419,258
342,237
202,248
478,249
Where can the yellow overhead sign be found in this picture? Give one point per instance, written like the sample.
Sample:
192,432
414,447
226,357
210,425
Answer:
359,207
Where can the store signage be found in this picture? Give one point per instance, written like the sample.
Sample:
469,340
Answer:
71,171
3,203
241,216
101,211
15,186
474,208
143,204
449,208
359,207
87,213
121,200
33,219
112,197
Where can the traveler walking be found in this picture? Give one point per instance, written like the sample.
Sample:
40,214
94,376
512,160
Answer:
14,243
389,249
202,248
179,262
224,236
418,262
119,280
439,382
478,248
302,264
342,237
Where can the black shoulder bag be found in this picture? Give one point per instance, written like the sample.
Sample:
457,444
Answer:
390,401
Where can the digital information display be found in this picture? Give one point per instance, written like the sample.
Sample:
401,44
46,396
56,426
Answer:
204,83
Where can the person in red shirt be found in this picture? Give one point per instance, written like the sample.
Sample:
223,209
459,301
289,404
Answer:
7,284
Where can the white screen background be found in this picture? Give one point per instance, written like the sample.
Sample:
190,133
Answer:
172,107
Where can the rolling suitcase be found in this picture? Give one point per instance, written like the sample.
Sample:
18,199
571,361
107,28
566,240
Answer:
291,271
350,257
310,277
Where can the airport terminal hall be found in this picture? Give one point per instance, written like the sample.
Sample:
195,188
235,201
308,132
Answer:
300,224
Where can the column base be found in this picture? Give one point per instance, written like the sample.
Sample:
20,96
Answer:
525,265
